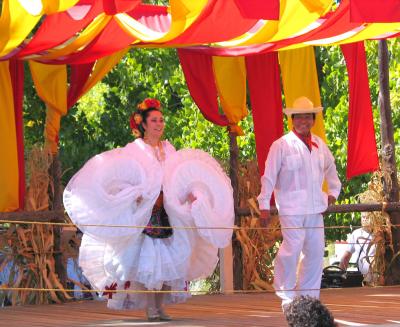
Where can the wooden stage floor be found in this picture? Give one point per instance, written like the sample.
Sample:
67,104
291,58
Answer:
351,307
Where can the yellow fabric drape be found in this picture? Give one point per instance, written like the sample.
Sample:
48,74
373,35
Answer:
230,78
19,17
9,175
87,36
51,86
102,67
12,31
300,78
183,14
53,6
371,31
295,16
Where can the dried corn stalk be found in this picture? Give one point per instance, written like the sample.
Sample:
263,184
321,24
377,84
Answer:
28,249
380,227
258,246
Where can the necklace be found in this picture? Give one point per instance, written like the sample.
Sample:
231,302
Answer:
158,150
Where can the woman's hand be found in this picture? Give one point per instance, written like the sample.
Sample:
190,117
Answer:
191,198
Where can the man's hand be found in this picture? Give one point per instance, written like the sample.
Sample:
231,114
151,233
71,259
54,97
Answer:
265,218
331,200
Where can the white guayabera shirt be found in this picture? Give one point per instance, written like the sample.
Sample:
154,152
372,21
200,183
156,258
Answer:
296,175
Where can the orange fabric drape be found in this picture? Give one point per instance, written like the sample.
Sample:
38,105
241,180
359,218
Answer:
300,78
51,86
9,177
230,78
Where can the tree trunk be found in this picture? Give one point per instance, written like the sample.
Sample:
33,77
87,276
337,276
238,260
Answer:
56,205
236,247
390,181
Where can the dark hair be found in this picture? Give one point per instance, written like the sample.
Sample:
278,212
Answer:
145,114
313,114
307,311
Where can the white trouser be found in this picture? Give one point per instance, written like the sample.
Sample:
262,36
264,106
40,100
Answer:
298,239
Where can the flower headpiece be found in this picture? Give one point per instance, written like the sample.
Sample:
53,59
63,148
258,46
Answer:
137,118
149,103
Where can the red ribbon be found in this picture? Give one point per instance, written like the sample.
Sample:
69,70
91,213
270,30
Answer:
306,140
127,285
112,287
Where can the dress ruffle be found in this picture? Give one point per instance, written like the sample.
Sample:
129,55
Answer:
105,191
196,172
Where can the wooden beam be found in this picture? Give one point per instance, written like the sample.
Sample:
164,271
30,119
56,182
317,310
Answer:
342,208
389,168
58,215
34,216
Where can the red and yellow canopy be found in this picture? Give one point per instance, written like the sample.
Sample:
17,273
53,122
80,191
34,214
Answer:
227,43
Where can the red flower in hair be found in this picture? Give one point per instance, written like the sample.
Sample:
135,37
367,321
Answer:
134,122
149,103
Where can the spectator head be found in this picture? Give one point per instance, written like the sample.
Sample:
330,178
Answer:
307,311
366,220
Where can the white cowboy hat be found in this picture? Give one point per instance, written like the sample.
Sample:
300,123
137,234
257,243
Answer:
302,105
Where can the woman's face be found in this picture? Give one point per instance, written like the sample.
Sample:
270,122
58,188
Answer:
154,125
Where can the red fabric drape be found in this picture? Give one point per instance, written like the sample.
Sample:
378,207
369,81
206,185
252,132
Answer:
266,102
362,156
335,23
71,22
267,9
110,40
16,68
199,76
78,77
375,11
219,21
113,7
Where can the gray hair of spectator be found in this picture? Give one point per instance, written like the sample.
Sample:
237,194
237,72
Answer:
307,311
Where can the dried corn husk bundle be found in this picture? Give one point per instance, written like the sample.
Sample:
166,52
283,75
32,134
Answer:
258,246
28,249
380,226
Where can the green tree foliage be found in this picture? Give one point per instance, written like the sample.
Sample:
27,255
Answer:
334,93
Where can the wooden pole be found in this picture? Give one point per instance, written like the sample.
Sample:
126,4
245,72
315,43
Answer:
389,168
55,172
236,247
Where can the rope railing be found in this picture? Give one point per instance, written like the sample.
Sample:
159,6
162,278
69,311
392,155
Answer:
130,291
101,291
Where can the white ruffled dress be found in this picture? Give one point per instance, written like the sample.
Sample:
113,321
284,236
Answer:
101,199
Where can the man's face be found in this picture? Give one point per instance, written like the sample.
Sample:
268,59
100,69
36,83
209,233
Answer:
303,123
